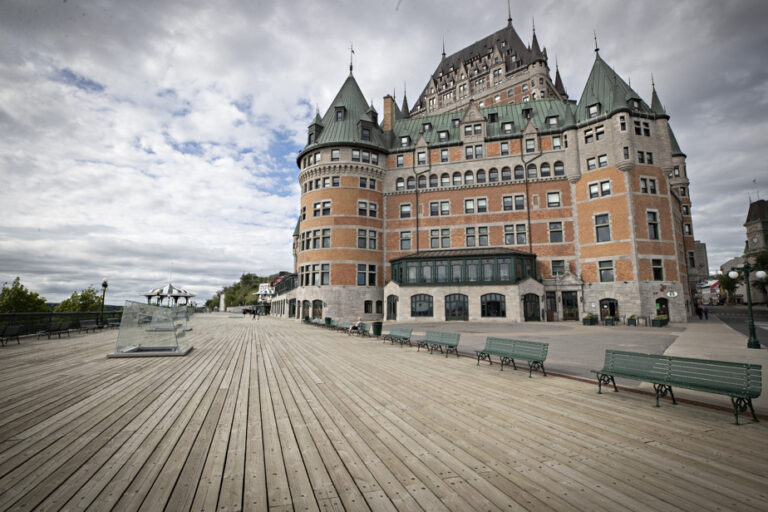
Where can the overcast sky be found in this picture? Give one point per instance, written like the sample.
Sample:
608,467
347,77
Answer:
143,138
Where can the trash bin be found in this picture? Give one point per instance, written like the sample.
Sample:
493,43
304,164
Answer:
327,321
376,326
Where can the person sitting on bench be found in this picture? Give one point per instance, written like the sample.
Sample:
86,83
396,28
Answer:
355,327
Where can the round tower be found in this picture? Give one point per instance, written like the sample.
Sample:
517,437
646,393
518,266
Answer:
339,263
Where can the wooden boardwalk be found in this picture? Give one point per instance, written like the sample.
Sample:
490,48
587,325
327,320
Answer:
273,415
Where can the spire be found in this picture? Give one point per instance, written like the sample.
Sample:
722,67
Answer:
536,53
443,46
405,110
597,50
559,81
351,53
656,105
509,14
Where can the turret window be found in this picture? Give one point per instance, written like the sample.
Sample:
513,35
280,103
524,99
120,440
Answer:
366,157
339,114
600,133
355,155
366,134
375,158
593,110
559,169
334,155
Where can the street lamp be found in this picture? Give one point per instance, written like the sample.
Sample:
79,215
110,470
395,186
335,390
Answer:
104,286
760,274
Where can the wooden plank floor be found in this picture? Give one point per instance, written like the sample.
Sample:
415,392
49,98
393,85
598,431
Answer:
274,415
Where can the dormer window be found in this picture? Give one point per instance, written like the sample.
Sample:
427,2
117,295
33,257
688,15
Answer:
340,114
635,104
442,136
405,141
493,117
366,134
311,138
593,110
507,127
526,112
426,127
552,120
455,123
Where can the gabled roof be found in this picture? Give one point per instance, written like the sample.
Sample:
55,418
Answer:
605,86
356,110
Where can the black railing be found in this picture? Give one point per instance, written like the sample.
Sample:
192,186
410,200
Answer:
32,323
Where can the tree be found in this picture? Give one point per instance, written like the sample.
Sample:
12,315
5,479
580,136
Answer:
86,300
17,298
728,285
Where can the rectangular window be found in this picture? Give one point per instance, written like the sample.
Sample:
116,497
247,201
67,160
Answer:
588,137
303,213
371,275
556,142
482,205
372,183
599,133
366,157
316,239
400,160
316,209
530,145
326,182
362,208
606,271
421,158
442,136
638,129
482,236
626,153
335,181
405,240
443,155
520,202
605,188
445,208
355,155
658,270
326,238
469,206
506,128
641,157
644,185
514,234
325,273
676,171
602,160
363,182
371,239
649,157
558,267
375,158
504,148
553,199
594,190
361,238
434,209
602,228
687,230
507,203
470,237
366,134
686,210
361,275
646,129
478,129
593,110
326,207
404,141
434,239
683,192
468,129
445,238
405,211
591,164
651,186
468,153
653,225
623,123
478,151
691,259
555,232
372,212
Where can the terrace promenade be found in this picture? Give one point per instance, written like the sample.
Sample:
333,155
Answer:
274,415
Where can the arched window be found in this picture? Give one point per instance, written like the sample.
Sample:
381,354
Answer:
493,175
481,176
457,178
506,174
493,305
306,307
422,181
433,180
609,308
469,178
411,183
456,307
421,305
532,171
559,169
545,170
519,173
445,180
317,308
400,184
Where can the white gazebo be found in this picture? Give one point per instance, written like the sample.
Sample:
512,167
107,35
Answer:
170,292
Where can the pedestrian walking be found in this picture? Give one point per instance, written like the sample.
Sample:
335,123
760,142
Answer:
706,313
698,311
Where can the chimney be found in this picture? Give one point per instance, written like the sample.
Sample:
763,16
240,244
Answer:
388,123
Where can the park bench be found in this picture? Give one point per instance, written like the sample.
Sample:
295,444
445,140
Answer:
508,350
741,382
88,325
398,334
344,326
57,328
113,322
318,322
434,340
334,324
10,332
364,330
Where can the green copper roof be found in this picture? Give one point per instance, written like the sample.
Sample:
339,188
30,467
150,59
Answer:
540,111
656,105
676,151
355,112
605,86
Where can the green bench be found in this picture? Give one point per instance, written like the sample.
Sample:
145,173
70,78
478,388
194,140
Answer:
741,382
88,325
398,334
344,326
365,330
508,350
334,324
434,340
10,332
57,328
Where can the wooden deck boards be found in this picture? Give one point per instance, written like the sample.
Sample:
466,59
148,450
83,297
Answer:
274,415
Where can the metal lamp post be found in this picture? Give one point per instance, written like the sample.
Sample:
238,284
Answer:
760,274
104,286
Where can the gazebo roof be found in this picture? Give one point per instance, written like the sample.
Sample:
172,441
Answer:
168,291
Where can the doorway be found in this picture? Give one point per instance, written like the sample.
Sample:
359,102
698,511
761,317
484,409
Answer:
570,306
531,310
392,307
662,307
609,308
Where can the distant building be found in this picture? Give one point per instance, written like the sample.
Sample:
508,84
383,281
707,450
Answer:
757,227
494,197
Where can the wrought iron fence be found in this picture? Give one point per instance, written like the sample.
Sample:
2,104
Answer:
31,323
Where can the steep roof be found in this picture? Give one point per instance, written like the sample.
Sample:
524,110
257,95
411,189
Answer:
758,211
559,84
676,151
355,110
605,86
656,105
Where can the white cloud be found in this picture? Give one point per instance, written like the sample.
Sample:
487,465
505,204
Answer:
94,181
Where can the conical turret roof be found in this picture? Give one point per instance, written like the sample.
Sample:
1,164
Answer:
656,105
605,87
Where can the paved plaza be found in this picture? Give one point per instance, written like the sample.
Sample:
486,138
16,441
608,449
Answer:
274,415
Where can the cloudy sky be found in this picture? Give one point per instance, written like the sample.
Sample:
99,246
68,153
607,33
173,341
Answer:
139,139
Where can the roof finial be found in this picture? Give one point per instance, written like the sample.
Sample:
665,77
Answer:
557,67
351,53
443,45
597,50
629,81
653,84
509,14
403,88
533,22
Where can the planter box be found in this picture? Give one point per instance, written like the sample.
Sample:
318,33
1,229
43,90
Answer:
659,322
632,321
608,321
589,321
